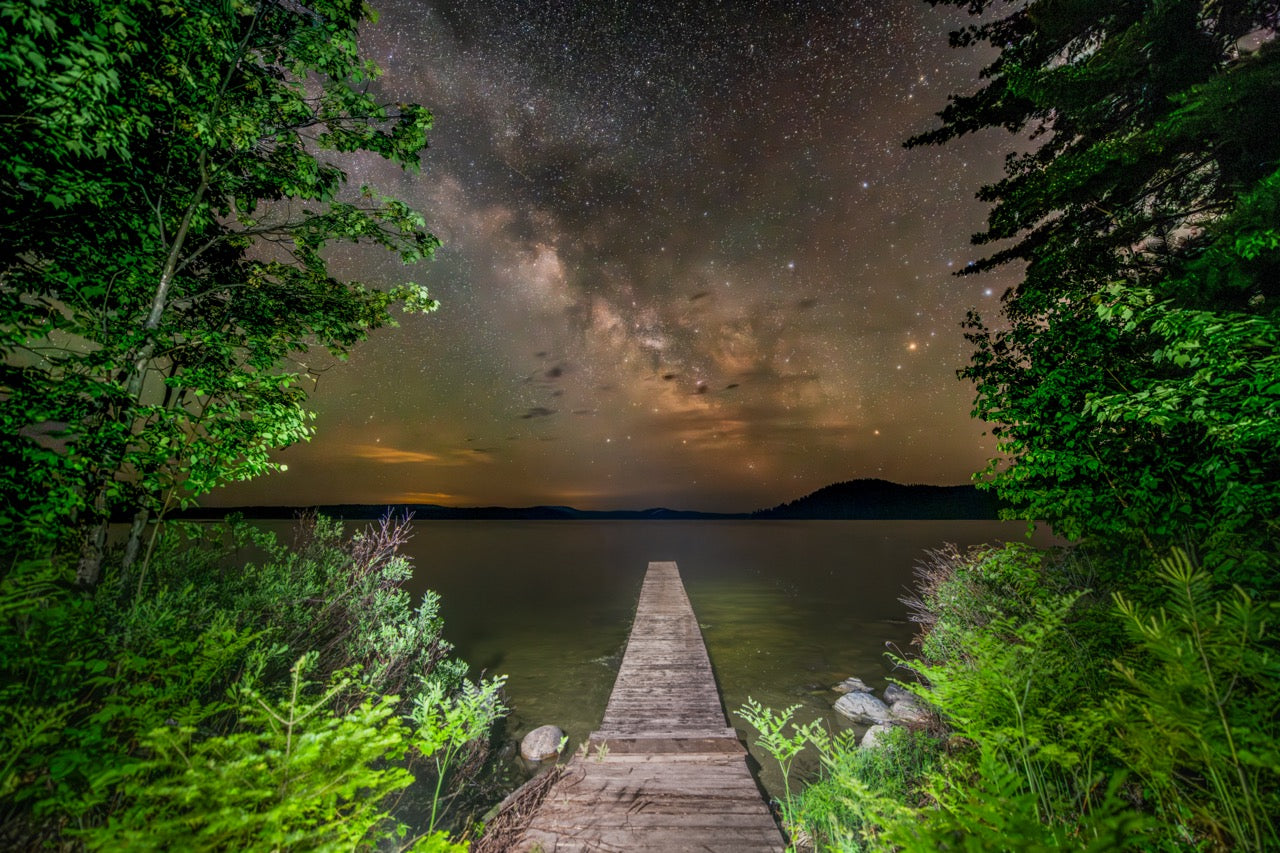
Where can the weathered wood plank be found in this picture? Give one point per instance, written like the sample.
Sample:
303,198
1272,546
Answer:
664,772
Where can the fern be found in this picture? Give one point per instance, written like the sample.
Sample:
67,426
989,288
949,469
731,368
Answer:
1198,720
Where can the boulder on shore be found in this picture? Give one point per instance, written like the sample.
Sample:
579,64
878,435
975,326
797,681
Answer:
871,737
863,708
852,685
895,693
541,743
909,710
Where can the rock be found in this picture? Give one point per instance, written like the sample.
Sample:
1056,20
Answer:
894,693
852,685
909,711
871,738
541,743
862,708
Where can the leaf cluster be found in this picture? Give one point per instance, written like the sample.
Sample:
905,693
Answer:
171,199
1072,719
1197,720
210,704
1131,383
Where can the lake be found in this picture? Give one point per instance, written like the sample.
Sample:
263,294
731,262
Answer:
788,608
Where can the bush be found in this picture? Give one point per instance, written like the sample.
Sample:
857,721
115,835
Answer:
1072,719
1196,719
1014,678
860,788
206,705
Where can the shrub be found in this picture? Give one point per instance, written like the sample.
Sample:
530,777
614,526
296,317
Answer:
1196,719
230,707
1072,719
292,775
859,790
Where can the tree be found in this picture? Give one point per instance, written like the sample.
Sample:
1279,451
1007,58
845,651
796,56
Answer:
175,176
1134,383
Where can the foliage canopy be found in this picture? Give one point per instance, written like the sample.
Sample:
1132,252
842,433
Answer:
1134,383
172,180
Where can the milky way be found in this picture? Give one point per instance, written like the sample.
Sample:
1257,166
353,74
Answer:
687,260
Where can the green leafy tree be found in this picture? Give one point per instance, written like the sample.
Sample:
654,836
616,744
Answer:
1133,382
174,176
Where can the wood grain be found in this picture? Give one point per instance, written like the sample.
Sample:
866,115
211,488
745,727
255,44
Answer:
664,772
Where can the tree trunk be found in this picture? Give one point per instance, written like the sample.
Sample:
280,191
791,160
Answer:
91,549
134,544
90,566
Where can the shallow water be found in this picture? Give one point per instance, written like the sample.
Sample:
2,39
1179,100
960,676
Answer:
788,608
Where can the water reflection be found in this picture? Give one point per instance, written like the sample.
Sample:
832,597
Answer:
788,608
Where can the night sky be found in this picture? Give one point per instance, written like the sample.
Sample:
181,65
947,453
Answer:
687,261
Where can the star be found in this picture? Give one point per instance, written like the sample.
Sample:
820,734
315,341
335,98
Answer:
673,212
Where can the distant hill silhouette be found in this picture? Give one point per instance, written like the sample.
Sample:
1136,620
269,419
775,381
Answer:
855,499
881,499
434,512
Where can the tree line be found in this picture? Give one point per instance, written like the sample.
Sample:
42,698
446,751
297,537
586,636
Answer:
1118,693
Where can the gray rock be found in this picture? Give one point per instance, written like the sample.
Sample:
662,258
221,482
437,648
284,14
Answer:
862,708
894,693
909,711
852,685
871,738
541,743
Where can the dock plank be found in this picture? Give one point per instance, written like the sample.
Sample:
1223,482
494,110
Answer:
664,771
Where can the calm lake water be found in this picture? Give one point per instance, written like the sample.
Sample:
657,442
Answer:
788,608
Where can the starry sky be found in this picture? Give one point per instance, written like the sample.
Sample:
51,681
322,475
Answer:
686,260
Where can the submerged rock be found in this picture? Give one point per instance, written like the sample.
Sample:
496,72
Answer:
862,708
871,737
541,743
852,685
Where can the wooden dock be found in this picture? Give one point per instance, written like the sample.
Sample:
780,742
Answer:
664,772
